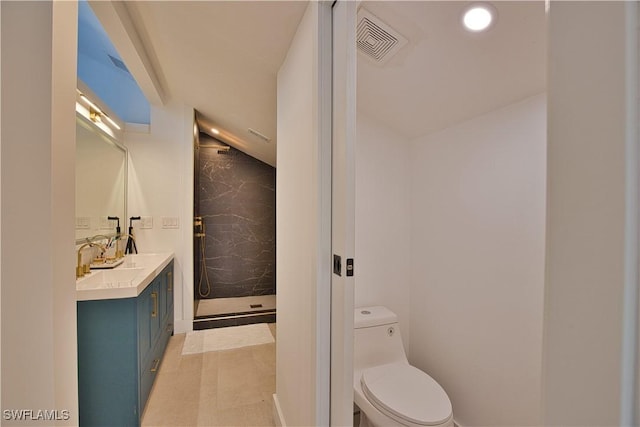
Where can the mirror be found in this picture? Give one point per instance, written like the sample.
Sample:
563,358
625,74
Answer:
101,183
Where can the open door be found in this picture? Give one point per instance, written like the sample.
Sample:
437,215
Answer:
343,211
315,219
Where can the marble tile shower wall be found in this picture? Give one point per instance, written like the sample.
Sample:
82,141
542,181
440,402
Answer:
238,207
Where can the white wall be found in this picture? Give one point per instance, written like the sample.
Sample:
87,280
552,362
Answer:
383,226
1,118
299,238
161,185
39,359
586,212
478,207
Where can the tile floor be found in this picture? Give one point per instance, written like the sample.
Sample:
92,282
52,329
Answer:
217,388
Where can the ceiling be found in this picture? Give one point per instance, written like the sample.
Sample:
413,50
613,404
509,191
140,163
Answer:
446,75
222,58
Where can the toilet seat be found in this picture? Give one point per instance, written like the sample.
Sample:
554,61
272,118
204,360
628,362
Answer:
406,394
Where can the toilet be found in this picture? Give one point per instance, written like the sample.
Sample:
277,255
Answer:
387,389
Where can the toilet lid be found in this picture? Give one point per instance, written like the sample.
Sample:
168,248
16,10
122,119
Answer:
406,392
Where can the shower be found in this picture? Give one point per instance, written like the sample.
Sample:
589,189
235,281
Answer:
234,236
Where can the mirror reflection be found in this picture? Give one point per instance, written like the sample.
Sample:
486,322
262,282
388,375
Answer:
101,170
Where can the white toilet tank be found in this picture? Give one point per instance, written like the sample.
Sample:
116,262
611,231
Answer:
377,338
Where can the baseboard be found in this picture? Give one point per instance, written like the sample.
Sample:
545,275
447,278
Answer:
278,418
183,326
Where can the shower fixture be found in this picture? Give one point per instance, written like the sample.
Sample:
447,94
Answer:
200,233
198,227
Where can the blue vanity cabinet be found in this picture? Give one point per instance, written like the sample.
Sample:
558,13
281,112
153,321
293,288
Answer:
166,303
108,362
166,296
148,320
120,346
155,327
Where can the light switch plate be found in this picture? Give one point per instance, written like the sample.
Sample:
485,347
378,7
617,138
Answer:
146,222
83,223
106,224
170,222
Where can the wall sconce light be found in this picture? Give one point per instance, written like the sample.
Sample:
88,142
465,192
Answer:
96,114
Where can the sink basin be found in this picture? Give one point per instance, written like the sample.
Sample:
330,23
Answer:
133,261
128,280
116,278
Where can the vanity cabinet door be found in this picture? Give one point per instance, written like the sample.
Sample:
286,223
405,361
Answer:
165,288
144,325
170,292
107,363
166,299
154,315
148,320
162,288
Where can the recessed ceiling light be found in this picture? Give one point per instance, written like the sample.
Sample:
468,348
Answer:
478,17
215,131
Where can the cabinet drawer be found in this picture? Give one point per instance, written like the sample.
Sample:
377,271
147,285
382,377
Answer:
147,377
151,368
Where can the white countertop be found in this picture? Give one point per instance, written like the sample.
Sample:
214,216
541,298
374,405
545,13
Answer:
128,280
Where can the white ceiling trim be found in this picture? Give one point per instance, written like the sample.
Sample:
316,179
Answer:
117,22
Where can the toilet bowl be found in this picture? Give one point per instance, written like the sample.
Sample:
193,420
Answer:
387,389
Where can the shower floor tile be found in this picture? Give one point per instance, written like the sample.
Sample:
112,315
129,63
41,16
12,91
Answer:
222,306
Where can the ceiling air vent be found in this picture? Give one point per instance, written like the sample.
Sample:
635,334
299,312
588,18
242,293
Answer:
376,40
118,63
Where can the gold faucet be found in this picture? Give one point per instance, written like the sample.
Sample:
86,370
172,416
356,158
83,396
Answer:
107,245
82,269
